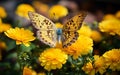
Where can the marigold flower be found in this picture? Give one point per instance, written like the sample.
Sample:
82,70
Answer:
99,64
20,35
3,13
59,25
53,58
4,27
112,58
22,10
28,71
109,16
118,14
110,26
82,46
85,30
57,11
96,36
88,68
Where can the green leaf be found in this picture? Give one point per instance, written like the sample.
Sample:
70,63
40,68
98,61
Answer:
25,48
12,55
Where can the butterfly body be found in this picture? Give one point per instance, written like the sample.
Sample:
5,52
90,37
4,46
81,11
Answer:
49,34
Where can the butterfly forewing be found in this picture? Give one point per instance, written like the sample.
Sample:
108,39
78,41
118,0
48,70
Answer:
75,22
41,22
69,32
46,28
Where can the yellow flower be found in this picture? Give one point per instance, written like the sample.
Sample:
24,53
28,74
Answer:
110,26
57,11
53,58
3,13
118,14
96,36
109,16
20,35
4,27
99,64
28,71
88,68
82,46
112,58
22,10
59,25
85,30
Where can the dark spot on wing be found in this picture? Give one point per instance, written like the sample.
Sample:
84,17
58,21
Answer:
45,40
40,26
40,32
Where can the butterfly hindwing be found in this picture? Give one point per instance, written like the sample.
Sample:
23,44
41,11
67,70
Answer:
46,28
69,32
68,38
48,37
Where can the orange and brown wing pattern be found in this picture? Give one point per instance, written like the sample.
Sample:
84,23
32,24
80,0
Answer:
75,22
68,38
69,32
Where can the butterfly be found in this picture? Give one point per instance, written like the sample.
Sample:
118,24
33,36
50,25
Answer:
47,31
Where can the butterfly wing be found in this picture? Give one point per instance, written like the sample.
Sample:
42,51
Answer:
75,22
70,33
68,38
46,28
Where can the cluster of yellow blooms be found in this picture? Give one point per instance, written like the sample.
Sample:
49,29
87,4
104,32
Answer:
109,59
111,24
112,59
53,54
54,58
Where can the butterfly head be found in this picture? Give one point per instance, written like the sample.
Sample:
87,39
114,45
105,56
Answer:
59,31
